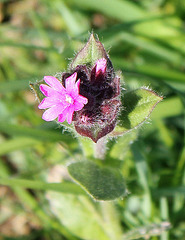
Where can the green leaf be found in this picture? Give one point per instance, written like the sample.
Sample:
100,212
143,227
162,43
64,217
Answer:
78,215
26,46
121,147
36,133
102,183
64,187
16,144
113,36
154,71
73,22
160,73
147,231
126,11
169,191
171,107
117,9
14,86
137,106
87,146
90,53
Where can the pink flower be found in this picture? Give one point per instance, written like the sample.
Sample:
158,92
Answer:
101,66
61,102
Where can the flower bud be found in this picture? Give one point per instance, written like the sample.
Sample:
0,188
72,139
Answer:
100,85
88,94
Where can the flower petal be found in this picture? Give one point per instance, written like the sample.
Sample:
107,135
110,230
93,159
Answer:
49,102
53,112
49,92
78,106
79,103
82,99
78,84
62,117
101,65
54,83
72,88
70,114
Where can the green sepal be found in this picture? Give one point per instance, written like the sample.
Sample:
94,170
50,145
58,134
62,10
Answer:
90,53
35,87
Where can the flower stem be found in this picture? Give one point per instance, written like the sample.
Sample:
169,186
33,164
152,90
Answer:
100,148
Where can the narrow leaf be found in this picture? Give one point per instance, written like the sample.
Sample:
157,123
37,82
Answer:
39,134
115,9
16,144
147,231
14,86
154,71
64,187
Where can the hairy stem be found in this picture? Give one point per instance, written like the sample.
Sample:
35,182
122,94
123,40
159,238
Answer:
100,148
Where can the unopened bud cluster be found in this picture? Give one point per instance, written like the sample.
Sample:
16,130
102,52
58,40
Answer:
88,94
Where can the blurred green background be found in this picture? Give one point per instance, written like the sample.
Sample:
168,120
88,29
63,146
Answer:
146,41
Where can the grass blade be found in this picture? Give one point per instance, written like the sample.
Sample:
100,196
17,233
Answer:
64,187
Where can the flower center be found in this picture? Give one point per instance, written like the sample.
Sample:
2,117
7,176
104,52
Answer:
69,99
